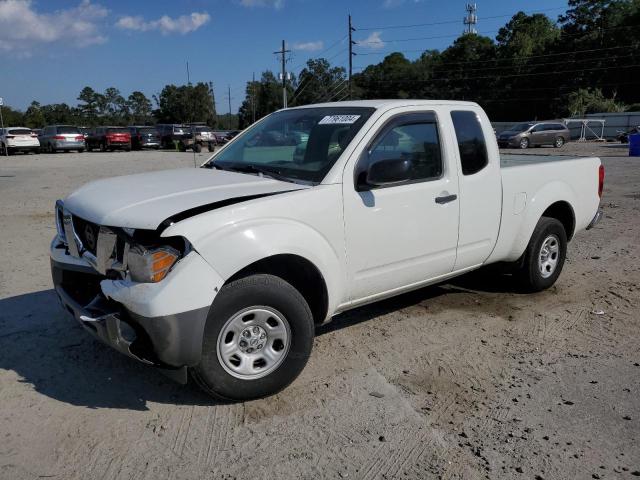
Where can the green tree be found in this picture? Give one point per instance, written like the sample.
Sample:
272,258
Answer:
591,101
115,106
12,117
320,82
91,106
185,104
33,117
526,35
139,108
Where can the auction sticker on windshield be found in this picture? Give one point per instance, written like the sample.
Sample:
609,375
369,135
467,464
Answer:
339,120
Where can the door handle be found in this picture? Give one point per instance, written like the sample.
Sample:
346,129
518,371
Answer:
446,199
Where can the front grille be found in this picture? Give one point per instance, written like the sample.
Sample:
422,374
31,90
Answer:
81,287
87,232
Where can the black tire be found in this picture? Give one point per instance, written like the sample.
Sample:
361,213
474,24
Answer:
530,273
197,148
559,142
103,147
255,291
81,150
524,143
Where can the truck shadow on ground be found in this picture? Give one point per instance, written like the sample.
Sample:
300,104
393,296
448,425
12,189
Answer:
45,347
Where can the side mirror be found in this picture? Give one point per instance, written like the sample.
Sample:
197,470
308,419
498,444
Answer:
389,172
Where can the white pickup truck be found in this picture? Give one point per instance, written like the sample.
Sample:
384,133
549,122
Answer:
224,271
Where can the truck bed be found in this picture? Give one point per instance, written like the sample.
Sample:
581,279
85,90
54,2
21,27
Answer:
512,160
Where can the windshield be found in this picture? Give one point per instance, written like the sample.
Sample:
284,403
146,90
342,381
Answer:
300,144
147,130
521,127
203,129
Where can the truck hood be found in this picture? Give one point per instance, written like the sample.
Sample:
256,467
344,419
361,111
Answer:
146,200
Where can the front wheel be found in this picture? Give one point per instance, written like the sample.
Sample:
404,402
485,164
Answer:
524,143
258,338
545,255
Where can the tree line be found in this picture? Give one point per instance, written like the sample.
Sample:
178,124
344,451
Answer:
174,104
587,61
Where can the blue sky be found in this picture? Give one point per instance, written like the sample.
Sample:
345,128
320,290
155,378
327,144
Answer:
50,49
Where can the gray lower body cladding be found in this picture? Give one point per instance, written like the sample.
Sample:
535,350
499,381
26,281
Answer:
171,342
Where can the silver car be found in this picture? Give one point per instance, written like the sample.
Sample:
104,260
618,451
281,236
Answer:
62,137
525,135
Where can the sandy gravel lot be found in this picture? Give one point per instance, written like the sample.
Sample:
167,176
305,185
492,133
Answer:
464,380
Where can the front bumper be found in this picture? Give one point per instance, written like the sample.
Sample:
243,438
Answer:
160,324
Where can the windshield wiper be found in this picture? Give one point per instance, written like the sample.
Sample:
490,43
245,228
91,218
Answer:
249,168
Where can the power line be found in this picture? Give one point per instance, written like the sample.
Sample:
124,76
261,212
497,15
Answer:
563,72
414,39
523,57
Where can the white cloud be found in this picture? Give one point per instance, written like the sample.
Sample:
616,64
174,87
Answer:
373,41
22,28
166,25
308,46
277,4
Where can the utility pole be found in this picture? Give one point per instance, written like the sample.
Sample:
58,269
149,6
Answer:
471,19
351,53
229,97
213,100
282,53
253,99
6,150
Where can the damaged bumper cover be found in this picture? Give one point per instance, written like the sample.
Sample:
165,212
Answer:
160,324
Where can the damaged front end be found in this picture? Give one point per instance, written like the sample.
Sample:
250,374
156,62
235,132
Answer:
114,282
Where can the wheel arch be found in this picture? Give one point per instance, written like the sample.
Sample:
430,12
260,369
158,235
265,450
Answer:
300,273
563,212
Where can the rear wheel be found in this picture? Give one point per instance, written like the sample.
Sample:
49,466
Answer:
559,142
524,143
545,255
258,338
103,147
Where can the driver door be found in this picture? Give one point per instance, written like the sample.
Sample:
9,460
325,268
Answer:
403,233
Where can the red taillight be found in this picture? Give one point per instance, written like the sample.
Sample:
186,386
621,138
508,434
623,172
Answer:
59,137
79,138
600,180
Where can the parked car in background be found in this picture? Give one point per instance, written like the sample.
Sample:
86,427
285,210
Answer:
525,135
204,136
144,137
18,139
222,136
109,138
37,131
65,138
171,133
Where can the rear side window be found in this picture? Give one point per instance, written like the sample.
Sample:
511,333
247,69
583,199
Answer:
471,141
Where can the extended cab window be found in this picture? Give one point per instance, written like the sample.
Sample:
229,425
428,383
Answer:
471,142
415,140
